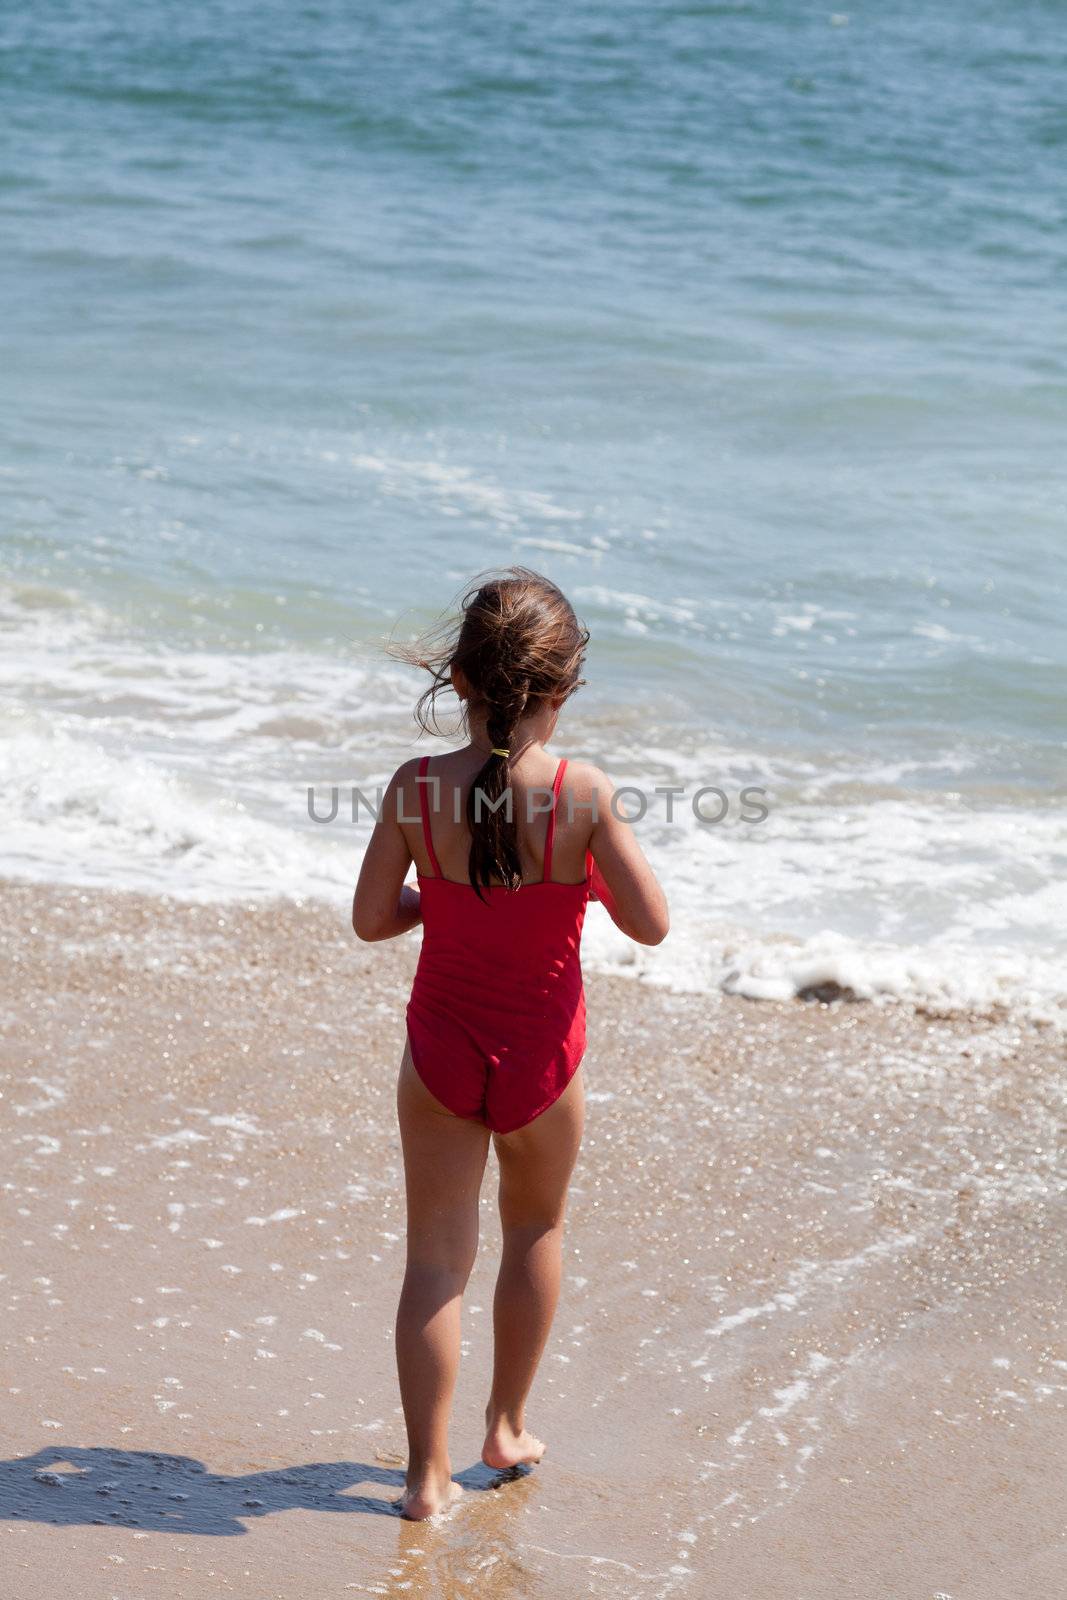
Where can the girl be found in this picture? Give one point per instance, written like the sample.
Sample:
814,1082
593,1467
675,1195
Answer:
508,846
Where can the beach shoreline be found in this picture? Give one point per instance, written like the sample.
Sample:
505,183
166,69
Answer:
808,1328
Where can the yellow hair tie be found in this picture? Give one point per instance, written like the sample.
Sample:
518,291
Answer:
495,752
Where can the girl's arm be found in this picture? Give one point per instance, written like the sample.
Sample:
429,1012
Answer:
623,881
384,905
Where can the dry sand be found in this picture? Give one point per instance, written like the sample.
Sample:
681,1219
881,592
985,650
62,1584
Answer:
811,1339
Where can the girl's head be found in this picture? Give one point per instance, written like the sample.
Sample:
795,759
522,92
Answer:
516,651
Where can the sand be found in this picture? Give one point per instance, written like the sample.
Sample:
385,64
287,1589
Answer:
811,1342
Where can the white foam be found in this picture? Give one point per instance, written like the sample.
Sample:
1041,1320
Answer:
948,977
456,488
640,608
80,814
183,1136
140,766
957,909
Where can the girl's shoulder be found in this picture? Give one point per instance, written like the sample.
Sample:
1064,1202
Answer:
403,779
401,798
438,764
583,779
409,782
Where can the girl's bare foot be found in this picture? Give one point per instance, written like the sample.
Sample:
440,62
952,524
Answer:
506,1446
427,1495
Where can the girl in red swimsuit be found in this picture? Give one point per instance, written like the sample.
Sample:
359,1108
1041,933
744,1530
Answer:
509,845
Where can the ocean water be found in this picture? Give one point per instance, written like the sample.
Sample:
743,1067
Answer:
744,322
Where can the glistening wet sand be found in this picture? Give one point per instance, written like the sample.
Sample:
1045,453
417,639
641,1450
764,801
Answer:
811,1340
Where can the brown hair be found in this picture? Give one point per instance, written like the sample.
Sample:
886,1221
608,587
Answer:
519,645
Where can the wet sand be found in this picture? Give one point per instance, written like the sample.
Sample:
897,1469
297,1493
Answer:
811,1342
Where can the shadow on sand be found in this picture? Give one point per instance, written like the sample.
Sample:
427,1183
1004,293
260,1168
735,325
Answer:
146,1489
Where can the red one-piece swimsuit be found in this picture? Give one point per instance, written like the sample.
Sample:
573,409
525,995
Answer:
496,1018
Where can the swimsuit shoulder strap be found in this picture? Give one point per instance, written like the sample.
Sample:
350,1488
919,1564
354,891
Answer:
424,808
550,836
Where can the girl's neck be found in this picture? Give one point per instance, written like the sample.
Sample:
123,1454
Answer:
527,734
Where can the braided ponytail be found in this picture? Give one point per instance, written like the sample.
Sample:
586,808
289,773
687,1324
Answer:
490,813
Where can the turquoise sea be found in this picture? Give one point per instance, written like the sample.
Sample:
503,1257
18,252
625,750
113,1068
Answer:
744,322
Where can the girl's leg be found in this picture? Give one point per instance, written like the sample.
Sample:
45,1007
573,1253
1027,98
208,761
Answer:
444,1160
536,1163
